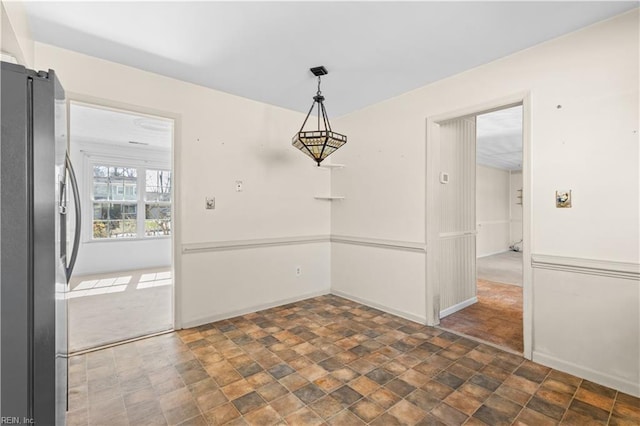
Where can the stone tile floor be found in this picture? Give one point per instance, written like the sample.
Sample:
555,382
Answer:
329,361
495,318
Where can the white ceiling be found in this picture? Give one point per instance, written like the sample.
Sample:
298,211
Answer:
263,50
118,128
499,139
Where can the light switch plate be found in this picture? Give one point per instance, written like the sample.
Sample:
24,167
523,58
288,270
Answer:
210,203
563,199
444,177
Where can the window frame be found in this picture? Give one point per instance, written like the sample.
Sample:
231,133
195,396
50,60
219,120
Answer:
141,166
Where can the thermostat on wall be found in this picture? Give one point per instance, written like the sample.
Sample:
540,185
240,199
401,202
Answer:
444,177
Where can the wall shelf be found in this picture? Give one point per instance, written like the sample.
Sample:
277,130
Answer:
329,197
330,166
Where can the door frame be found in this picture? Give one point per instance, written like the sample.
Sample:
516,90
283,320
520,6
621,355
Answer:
432,291
176,234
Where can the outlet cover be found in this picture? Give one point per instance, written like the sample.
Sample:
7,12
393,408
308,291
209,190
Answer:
238,186
298,271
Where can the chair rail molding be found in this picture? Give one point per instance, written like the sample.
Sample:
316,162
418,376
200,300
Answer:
191,248
379,243
607,268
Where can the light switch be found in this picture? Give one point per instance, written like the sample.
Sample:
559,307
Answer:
444,177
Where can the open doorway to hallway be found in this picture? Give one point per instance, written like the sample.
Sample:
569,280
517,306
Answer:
122,286
496,316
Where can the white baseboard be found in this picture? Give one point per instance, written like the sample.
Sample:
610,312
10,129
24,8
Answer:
493,253
619,383
250,309
401,314
458,306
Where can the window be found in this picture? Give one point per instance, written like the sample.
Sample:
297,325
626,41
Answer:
121,210
157,208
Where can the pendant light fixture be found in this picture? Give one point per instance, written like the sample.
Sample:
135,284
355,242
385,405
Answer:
318,144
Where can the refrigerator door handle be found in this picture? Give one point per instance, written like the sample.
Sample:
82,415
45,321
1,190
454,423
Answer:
62,204
78,217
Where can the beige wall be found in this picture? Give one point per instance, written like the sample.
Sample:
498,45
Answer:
16,37
515,209
222,138
492,210
589,145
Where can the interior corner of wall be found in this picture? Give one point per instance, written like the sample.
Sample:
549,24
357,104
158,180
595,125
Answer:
16,36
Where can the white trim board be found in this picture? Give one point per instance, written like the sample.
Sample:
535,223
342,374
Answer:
251,309
606,268
378,243
458,306
619,383
190,248
392,311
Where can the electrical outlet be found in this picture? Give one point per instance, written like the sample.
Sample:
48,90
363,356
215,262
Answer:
238,186
298,271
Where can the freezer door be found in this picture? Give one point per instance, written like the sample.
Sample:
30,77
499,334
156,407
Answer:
45,250
15,260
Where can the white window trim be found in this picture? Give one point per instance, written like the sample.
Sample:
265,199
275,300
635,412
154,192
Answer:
89,160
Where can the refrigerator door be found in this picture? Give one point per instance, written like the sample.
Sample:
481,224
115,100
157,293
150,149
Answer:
33,267
44,247
15,265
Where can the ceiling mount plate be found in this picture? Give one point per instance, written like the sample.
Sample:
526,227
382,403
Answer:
318,71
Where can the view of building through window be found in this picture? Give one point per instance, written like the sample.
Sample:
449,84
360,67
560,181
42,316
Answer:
117,202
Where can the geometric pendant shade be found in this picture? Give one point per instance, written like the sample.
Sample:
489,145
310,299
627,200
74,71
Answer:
321,142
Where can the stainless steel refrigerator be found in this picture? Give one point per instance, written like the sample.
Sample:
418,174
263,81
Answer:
36,260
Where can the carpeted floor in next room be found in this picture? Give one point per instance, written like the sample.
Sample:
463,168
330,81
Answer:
113,307
330,361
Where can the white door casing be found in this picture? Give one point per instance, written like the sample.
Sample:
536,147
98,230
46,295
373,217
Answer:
433,209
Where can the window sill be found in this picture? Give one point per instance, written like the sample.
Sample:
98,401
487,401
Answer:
123,240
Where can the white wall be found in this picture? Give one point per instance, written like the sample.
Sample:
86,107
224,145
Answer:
492,210
103,256
16,37
221,138
590,145
515,206
604,313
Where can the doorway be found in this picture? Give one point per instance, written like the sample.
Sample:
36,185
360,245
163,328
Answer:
122,286
477,277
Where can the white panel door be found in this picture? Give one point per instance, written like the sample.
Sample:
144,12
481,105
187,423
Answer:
456,244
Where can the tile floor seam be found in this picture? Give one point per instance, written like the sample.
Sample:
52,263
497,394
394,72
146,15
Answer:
612,405
533,395
571,401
